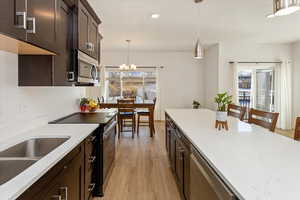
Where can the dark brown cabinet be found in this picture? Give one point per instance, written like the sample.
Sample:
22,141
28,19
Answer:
178,151
182,165
64,28
195,178
45,34
13,18
87,31
42,70
72,177
66,178
32,21
41,23
83,29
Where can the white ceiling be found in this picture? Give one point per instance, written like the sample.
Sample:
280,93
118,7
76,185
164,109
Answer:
182,20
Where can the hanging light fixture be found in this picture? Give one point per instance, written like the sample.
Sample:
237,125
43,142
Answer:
284,7
199,50
128,66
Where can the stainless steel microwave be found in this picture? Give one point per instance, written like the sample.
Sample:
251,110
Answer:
86,69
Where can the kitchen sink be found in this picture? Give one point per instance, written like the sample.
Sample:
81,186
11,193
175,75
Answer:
33,148
19,157
11,168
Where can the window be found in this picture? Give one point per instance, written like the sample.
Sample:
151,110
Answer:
139,84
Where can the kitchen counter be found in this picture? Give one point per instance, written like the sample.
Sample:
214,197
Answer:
101,117
77,133
254,162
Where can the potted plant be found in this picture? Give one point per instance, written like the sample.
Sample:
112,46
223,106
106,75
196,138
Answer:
223,100
83,104
196,105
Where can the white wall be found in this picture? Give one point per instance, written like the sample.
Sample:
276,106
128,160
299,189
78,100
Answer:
296,78
236,51
211,75
241,51
180,82
26,107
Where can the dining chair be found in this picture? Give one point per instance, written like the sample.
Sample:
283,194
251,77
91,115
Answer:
297,129
126,112
145,113
236,111
265,119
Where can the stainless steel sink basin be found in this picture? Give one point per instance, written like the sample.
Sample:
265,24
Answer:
11,168
33,148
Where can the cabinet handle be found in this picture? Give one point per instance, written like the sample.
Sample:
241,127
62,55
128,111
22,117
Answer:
57,197
92,138
64,190
91,187
24,17
33,30
89,46
92,159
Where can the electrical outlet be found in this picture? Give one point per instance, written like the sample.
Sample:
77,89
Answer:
23,108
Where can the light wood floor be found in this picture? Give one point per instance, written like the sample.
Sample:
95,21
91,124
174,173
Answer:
141,169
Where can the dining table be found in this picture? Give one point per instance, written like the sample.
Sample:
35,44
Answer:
138,104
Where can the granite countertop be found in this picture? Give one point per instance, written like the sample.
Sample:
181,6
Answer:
77,133
254,162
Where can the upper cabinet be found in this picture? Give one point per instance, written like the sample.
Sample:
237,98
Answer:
57,28
19,21
41,23
87,30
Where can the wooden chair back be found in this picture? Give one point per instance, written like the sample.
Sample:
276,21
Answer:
236,111
297,129
126,105
265,119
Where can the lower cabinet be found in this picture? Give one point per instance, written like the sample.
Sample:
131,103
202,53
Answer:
70,179
195,178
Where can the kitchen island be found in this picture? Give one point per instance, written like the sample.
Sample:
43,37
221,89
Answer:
252,162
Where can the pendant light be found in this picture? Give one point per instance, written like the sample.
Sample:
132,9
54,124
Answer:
284,7
199,50
128,66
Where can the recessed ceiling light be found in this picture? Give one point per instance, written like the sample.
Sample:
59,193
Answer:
155,16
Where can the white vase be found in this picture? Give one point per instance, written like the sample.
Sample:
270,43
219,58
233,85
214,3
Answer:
221,116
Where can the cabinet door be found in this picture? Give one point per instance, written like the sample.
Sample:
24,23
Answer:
83,28
13,18
93,37
72,184
41,28
179,163
62,61
172,150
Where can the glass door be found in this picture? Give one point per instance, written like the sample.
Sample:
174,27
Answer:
256,88
265,86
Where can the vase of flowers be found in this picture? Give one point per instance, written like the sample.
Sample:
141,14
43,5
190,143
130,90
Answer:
223,100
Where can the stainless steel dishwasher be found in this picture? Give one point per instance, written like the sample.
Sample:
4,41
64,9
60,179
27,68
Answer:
205,184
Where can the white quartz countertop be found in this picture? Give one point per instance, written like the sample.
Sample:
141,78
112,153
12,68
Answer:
77,133
255,163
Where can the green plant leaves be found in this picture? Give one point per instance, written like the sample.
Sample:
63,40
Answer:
223,99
